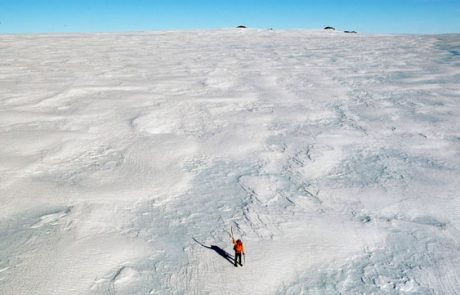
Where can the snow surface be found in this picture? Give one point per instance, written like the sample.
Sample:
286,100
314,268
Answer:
126,158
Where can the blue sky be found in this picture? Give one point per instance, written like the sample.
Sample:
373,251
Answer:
392,16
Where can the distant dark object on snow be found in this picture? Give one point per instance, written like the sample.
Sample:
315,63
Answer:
241,27
330,28
350,32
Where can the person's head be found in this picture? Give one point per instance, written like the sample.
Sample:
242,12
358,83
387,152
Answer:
239,242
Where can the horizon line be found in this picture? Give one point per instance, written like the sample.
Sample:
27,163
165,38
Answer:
215,29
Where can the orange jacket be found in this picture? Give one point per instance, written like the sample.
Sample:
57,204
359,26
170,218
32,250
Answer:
239,248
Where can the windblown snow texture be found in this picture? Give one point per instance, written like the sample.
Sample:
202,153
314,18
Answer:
126,158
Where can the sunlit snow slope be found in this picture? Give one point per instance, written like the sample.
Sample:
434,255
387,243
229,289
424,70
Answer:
125,159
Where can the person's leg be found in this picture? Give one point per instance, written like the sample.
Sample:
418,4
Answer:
236,256
239,258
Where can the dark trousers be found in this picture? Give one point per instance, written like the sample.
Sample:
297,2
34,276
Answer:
238,258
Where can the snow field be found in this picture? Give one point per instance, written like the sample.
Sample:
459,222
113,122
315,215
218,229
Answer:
127,157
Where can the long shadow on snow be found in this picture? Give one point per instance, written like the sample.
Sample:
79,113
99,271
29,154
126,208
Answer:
219,251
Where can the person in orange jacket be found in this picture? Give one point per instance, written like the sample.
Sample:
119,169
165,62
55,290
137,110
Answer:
239,249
